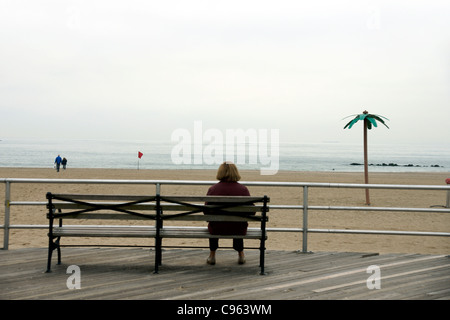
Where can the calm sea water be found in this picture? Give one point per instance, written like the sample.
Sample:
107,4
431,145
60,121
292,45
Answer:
294,157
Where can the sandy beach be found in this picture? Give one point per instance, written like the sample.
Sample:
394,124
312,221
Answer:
437,222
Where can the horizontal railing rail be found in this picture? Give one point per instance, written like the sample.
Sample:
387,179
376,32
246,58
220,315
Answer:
304,207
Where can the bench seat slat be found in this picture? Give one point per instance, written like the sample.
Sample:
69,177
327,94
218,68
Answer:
104,197
146,232
107,216
105,231
149,206
202,232
123,216
235,199
208,218
69,205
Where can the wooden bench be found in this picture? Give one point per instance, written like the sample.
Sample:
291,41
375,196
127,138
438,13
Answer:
159,211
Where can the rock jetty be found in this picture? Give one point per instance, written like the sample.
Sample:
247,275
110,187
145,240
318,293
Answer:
395,165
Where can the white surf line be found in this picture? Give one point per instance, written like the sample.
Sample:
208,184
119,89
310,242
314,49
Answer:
341,274
382,278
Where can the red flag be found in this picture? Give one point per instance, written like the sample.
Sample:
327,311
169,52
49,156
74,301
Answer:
140,154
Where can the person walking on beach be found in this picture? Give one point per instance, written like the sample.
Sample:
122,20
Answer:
58,161
64,163
228,176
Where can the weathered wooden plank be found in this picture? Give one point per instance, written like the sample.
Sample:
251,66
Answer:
211,217
126,273
105,231
211,199
109,216
104,197
199,232
152,207
145,232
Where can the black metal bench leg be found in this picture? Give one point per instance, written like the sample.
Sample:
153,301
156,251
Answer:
261,260
157,254
263,237
262,250
59,250
52,246
49,259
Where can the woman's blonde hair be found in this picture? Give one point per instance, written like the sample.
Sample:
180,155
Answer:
228,172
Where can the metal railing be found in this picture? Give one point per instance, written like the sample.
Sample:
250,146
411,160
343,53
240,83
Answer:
304,207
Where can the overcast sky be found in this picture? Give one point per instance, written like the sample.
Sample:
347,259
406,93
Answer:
139,70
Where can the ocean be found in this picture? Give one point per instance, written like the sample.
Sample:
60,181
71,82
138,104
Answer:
171,155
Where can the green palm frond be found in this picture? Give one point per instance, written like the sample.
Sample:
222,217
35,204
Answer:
378,118
351,123
371,120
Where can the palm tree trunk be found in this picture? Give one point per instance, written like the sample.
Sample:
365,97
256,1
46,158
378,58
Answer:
366,165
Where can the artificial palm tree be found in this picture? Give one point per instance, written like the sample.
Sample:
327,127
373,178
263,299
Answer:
369,121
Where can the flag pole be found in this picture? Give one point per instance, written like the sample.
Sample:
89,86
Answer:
140,154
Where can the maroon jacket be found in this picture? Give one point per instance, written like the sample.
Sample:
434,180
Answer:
228,189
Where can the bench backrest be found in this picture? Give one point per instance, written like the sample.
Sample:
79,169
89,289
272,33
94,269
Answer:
132,207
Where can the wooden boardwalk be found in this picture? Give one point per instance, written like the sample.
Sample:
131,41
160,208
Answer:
127,273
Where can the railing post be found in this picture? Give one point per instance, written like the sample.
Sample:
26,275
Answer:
448,199
447,205
305,219
7,208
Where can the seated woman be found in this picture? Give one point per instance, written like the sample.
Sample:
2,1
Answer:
228,175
